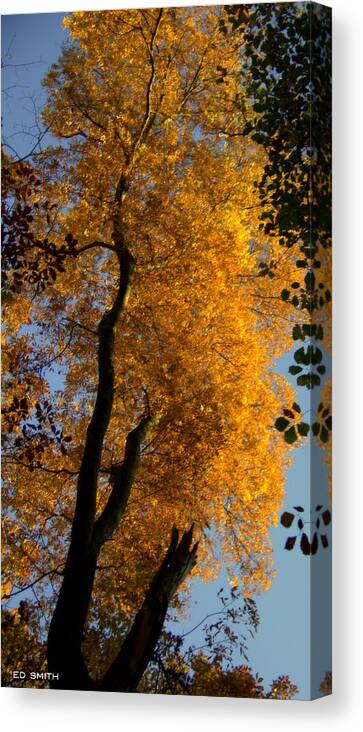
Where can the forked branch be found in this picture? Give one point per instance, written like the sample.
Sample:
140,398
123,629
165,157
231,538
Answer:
136,651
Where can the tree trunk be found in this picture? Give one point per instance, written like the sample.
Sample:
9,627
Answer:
65,657
136,651
89,533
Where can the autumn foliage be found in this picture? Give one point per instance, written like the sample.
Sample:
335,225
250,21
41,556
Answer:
149,194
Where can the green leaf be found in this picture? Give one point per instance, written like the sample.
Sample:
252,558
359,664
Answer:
316,355
296,407
285,294
281,424
297,333
299,355
303,429
308,328
290,435
310,280
288,413
295,370
324,434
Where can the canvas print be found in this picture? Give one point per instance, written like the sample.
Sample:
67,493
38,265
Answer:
166,294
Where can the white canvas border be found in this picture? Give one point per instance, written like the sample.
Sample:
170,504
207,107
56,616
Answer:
36,710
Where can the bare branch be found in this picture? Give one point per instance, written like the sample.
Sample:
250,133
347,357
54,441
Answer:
35,582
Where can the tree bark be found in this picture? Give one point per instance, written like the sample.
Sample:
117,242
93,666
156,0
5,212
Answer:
67,625
89,533
136,651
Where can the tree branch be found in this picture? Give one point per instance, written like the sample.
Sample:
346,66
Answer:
32,584
64,648
136,651
95,245
122,478
91,461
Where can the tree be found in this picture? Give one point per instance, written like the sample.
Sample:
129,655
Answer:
213,680
153,215
290,116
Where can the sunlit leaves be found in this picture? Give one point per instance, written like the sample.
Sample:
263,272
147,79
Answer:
191,336
295,188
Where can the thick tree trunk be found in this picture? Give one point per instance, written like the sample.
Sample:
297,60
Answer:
89,533
65,657
67,626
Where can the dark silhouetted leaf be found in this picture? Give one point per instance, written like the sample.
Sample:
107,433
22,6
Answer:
314,543
297,333
305,544
324,434
326,516
288,413
281,424
290,543
287,519
295,370
300,356
290,435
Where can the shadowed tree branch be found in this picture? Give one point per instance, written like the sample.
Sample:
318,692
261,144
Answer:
129,665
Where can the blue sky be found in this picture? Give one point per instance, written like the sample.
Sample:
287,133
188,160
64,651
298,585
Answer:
282,643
